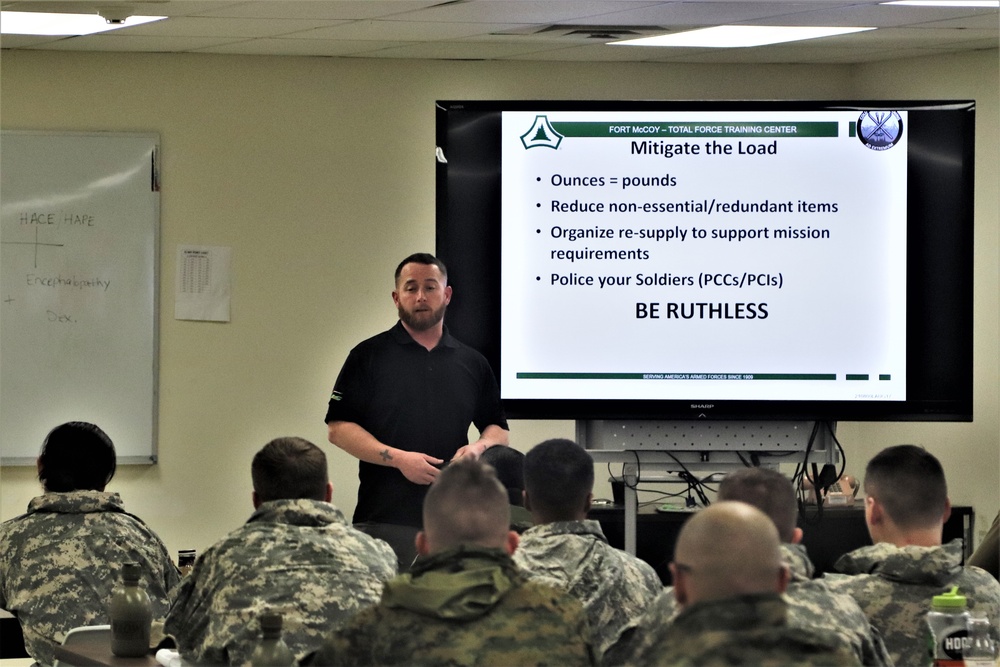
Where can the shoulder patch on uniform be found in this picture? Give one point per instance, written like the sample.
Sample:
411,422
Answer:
336,396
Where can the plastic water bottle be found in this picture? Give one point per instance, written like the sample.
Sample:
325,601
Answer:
981,651
131,615
272,650
948,623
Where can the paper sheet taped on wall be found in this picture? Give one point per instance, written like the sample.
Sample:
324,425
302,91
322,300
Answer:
203,277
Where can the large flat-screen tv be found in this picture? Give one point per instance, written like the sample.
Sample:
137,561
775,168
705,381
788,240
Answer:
776,260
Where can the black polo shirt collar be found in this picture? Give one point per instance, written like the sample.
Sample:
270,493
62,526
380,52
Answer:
403,337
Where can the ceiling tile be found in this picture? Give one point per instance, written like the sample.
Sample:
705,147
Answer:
544,30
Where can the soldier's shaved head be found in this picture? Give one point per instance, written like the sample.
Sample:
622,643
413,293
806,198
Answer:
909,482
727,549
465,506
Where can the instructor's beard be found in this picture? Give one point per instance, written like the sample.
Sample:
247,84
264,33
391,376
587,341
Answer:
424,320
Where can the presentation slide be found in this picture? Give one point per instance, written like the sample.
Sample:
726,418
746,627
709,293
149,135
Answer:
739,255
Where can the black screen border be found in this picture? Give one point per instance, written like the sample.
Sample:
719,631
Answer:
940,248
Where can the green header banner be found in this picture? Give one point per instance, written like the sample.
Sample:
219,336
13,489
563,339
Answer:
714,128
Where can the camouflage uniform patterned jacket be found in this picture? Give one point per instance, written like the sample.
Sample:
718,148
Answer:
60,561
613,586
465,606
742,630
814,605
297,557
894,587
811,605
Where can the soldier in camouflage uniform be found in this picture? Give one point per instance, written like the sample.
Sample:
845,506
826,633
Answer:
906,505
509,466
811,603
567,551
728,579
744,630
60,561
464,602
296,555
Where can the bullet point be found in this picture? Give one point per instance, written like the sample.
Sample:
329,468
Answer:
538,205
539,178
538,277
538,231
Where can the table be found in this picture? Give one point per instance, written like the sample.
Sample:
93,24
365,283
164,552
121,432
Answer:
94,650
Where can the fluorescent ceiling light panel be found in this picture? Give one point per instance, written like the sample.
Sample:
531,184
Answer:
40,23
731,36
945,3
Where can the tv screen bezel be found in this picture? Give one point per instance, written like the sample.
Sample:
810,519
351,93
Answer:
939,237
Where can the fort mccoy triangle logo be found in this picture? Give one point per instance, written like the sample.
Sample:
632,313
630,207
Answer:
541,133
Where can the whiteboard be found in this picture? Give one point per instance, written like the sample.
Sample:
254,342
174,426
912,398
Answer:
79,235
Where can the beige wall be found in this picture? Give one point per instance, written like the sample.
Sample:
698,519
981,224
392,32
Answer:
970,453
319,174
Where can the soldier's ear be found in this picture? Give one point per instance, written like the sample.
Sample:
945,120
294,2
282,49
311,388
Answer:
513,539
421,543
873,511
783,577
680,586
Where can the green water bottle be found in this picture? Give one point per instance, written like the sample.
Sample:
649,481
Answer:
131,615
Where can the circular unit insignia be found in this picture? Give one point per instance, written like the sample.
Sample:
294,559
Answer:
880,130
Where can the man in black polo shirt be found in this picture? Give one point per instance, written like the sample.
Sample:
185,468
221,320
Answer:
403,402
